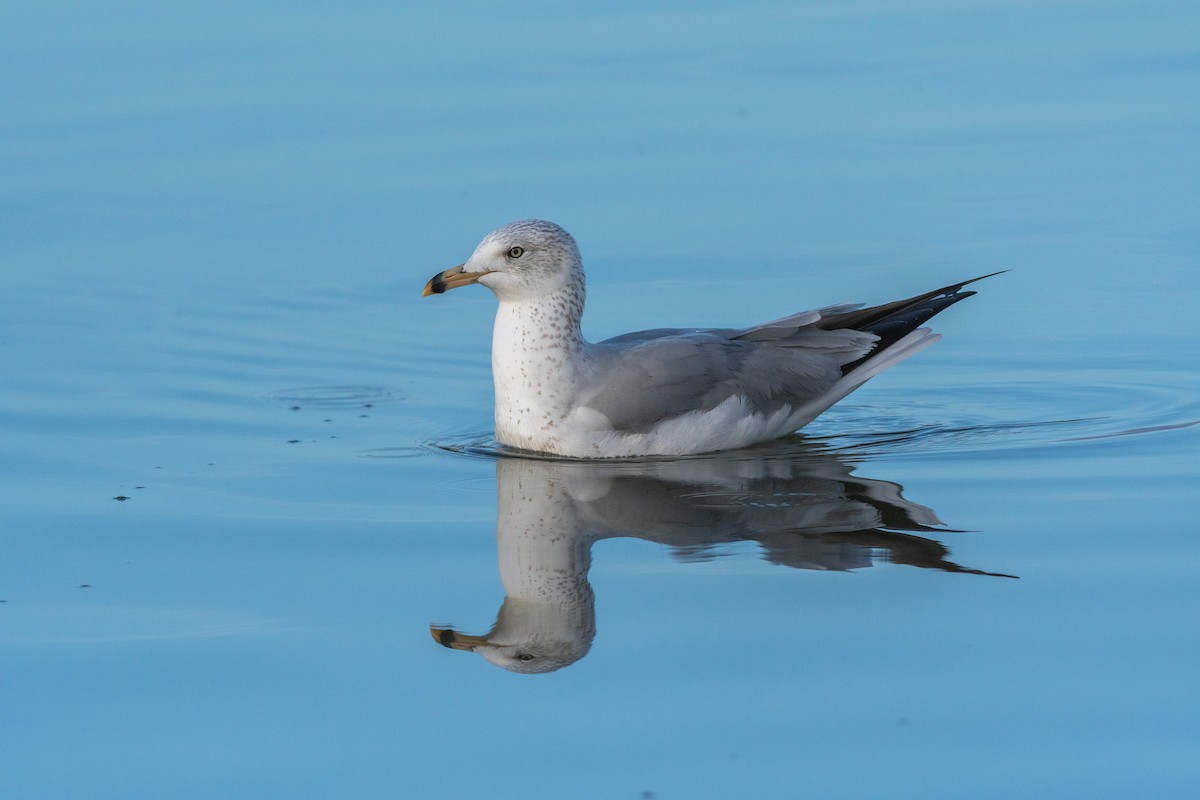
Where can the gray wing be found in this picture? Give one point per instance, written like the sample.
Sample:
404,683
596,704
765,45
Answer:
640,379
643,378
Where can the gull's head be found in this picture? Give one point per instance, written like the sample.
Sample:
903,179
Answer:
521,261
529,652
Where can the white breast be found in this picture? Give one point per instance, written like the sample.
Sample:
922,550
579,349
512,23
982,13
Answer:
536,364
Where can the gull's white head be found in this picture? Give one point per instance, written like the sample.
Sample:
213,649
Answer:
523,260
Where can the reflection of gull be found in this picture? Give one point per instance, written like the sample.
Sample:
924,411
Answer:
804,508
665,392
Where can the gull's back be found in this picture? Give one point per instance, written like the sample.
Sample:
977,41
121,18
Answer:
786,371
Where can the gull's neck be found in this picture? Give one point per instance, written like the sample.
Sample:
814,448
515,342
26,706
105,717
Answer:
538,357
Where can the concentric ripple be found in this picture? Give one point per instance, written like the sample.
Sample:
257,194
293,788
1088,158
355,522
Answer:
1019,414
1028,414
336,396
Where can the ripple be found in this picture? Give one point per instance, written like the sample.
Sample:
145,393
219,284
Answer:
1139,431
1010,415
1028,414
481,445
411,451
337,396
475,444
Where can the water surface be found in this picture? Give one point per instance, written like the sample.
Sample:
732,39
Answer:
247,471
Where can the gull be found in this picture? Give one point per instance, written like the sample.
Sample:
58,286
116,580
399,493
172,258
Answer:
668,391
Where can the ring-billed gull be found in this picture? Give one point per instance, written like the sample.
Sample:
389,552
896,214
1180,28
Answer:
665,391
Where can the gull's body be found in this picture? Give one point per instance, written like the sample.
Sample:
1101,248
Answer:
668,391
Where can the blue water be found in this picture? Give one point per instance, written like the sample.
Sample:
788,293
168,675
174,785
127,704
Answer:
215,223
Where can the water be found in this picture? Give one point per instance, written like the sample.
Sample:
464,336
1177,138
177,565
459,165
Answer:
216,224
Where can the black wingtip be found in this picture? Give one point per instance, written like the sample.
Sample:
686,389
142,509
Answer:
893,321
954,288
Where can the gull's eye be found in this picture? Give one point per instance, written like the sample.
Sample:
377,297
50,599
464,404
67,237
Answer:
516,252
524,656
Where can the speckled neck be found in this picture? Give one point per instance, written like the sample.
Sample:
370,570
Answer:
538,353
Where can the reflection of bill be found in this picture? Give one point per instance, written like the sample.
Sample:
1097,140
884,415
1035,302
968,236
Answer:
803,507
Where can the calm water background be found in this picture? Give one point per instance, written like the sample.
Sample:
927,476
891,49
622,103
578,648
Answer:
215,222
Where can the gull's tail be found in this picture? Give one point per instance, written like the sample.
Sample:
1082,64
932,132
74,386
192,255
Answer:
894,323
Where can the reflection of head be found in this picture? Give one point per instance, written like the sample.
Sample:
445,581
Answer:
802,506
531,637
